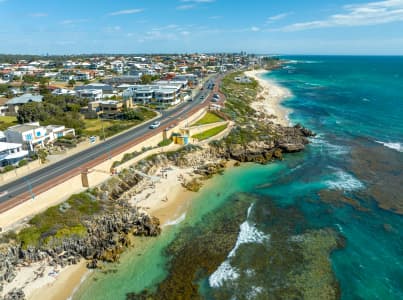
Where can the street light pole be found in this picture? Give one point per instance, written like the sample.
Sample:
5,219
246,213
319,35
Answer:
30,188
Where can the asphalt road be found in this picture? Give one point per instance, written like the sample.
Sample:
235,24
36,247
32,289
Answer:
29,182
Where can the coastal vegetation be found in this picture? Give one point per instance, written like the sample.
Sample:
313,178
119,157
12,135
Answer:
104,213
59,221
165,142
210,132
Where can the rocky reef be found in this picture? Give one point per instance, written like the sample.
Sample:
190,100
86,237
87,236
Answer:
65,234
281,258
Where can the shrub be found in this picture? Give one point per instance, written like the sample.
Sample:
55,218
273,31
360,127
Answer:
22,163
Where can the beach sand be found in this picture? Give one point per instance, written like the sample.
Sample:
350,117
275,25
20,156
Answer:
270,98
165,199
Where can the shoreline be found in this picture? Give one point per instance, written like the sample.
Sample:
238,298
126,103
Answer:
270,98
166,199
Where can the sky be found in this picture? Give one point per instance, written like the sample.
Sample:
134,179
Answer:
347,27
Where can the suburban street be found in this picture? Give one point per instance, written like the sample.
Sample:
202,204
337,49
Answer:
24,188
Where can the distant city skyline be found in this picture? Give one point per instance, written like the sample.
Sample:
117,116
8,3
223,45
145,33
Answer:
351,27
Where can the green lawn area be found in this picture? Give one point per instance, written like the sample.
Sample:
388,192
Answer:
7,121
112,127
208,118
209,133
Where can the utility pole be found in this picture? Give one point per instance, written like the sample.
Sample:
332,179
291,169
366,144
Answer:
30,188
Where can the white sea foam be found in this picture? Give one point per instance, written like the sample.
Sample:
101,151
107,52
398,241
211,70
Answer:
344,181
248,234
321,143
339,227
177,221
224,273
394,146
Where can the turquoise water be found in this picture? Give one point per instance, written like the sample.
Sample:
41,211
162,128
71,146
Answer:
351,169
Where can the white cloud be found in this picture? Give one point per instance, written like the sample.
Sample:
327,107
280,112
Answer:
112,29
126,12
185,7
278,17
39,15
365,14
156,35
255,29
215,17
185,33
73,21
192,4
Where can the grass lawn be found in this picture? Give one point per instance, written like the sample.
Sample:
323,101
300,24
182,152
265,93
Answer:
209,133
112,127
7,121
208,118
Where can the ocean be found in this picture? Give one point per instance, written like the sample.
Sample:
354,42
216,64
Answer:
322,224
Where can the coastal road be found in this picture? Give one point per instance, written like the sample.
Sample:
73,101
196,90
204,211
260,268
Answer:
22,189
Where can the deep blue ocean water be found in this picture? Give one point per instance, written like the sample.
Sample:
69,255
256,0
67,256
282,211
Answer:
349,179
355,104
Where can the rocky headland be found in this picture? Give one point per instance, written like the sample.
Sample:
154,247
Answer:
97,225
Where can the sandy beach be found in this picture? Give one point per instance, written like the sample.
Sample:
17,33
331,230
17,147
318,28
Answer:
162,196
270,98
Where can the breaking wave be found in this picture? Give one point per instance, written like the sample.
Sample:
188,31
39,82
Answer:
394,146
248,234
344,181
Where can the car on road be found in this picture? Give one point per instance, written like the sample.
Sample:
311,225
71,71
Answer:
155,124
216,96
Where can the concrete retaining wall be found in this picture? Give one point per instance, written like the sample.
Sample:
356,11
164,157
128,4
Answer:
19,172
99,174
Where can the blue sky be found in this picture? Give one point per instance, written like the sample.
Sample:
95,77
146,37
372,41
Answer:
167,26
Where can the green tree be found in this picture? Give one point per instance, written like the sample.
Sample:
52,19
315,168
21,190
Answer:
133,115
29,79
71,83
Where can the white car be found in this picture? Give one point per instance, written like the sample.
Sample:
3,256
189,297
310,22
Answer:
155,125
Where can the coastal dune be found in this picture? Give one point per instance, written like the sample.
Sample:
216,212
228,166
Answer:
167,199
270,98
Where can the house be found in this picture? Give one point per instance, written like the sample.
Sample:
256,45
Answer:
2,136
60,92
105,88
167,95
160,94
90,94
65,77
108,109
3,110
11,153
83,76
15,103
32,135
29,134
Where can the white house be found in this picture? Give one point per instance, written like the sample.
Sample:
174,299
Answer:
167,95
11,153
3,110
90,94
162,94
60,91
33,135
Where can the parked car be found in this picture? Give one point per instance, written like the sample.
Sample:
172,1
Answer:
155,124
216,96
